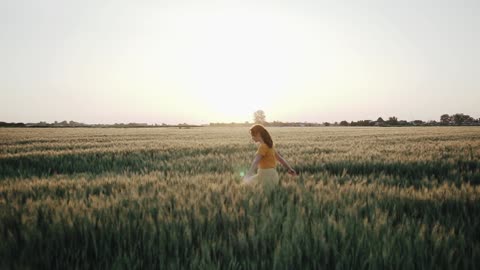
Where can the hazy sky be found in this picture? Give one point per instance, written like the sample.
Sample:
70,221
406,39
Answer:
219,61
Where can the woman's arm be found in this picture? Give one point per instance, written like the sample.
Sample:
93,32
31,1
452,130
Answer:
285,164
254,165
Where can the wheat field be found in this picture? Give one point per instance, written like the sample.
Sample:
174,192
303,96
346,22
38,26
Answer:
166,198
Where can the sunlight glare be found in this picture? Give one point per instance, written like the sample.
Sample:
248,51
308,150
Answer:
240,66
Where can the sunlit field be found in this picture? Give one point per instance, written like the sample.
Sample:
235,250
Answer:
166,198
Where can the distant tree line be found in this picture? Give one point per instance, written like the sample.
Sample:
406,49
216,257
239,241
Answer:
458,119
64,124
4,124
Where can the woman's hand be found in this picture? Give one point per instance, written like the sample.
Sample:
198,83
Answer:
282,161
247,178
292,172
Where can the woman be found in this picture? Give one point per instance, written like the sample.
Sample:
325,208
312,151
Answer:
265,159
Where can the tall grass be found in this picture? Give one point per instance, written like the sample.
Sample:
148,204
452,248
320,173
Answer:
366,198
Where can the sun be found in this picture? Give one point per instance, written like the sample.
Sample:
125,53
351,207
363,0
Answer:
234,65
233,95
234,102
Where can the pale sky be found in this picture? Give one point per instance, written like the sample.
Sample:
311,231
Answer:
219,61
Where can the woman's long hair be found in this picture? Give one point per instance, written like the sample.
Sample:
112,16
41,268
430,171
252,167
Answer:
259,129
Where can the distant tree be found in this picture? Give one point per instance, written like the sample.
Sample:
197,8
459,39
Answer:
327,124
259,117
469,120
445,119
392,120
380,120
460,119
418,122
363,123
344,123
